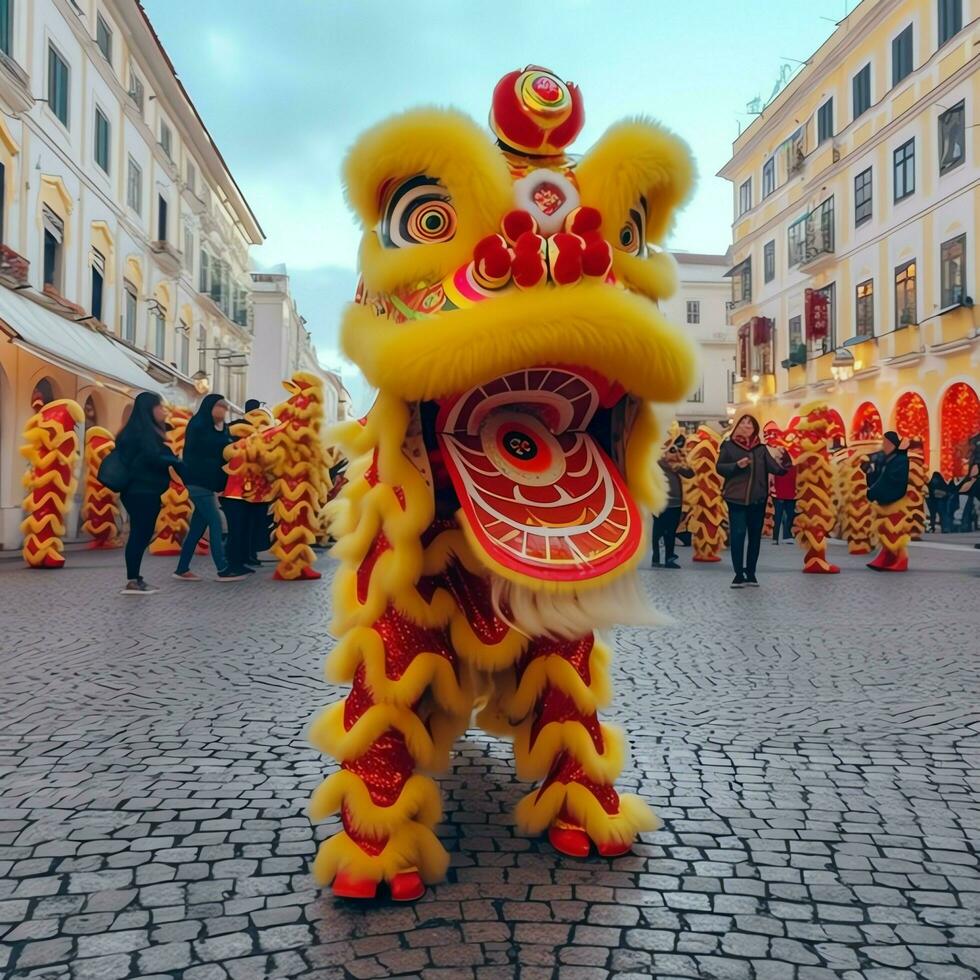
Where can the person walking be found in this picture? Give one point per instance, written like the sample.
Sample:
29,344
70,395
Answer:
745,464
204,446
142,445
674,464
937,501
784,503
887,472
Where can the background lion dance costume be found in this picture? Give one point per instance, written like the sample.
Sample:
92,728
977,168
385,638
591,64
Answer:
495,509
815,513
100,512
51,450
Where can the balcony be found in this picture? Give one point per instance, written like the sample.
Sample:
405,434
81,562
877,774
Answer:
15,86
951,330
167,257
14,268
903,344
53,300
818,246
796,376
865,351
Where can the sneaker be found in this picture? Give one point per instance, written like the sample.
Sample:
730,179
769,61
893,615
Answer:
254,562
738,582
751,582
245,570
775,540
187,576
138,587
672,562
655,564
228,575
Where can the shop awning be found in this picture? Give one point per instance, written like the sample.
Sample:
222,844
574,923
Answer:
69,345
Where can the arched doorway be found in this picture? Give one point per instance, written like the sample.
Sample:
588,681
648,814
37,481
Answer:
836,429
959,421
42,394
912,420
91,413
866,424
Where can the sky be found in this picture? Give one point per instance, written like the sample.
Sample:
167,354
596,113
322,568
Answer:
285,87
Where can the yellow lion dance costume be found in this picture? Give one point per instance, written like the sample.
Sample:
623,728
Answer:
499,487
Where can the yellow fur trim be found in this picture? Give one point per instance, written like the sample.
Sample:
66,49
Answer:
419,800
443,144
571,737
654,276
413,846
327,732
634,158
536,812
553,669
427,670
646,481
619,334
445,728
481,655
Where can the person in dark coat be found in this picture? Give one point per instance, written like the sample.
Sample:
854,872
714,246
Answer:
888,482
937,501
204,447
675,469
142,444
746,465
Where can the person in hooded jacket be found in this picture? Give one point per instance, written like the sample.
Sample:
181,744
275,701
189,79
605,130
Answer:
888,482
746,464
206,437
675,469
142,444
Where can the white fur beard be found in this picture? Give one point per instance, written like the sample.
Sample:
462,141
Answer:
569,615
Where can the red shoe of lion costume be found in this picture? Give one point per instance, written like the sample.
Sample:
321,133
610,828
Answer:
499,488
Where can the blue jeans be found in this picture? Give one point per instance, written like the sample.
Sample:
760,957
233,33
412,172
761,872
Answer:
206,515
745,523
784,513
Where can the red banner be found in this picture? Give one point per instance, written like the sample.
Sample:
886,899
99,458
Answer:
761,330
743,350
817,309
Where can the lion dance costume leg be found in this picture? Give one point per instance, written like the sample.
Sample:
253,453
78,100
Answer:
99,509
499,490
815,515
51,449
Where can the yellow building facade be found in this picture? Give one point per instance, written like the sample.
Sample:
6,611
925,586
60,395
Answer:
855,240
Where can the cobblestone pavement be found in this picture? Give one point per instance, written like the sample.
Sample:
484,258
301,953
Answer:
813,746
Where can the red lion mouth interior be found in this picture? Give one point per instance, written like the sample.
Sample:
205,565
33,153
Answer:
538,491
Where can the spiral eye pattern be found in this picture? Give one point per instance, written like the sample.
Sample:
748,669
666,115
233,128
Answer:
417,212
632,236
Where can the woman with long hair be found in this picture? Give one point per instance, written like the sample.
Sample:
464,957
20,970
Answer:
204,460
142,444
746,464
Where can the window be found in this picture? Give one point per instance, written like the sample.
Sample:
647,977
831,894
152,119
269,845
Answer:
902,55
905,307
769,261
820,231
129,316
205,282
191,178
825,121
821,345
730,387
6,27
693,311
134,186
950,19
184,347
698,395
795,333
189,250
159,333
864,309
101,139
861,92
98,277
862,197
54,232
103,38
796,241
161,218
745,197
166,139
202,343
904,166
952,266
742,282
136,89
768,177
952,137
58,85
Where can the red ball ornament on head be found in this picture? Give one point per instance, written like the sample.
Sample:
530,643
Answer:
535,113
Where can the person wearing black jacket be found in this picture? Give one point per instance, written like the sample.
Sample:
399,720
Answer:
204,446
746,465
142,444
888,482
675,469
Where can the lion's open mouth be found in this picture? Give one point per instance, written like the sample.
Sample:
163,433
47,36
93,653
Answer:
531,456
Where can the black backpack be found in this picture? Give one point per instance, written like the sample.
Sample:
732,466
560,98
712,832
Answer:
113,472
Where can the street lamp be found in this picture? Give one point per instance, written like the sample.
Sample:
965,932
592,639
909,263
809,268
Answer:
842,366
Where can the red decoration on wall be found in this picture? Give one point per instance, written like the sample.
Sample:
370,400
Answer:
959,422
912,420
817,312
743,351
866,424
761,330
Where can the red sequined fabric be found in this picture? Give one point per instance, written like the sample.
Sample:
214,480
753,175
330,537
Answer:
555,705
576,652
384,768
404,641
472,595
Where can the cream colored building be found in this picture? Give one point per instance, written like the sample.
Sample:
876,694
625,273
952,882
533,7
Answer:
859,181
700,307
125,238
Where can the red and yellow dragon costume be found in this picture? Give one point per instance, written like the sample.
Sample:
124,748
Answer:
499,487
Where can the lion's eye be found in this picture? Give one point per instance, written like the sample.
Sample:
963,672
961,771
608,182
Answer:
417,212
632,236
